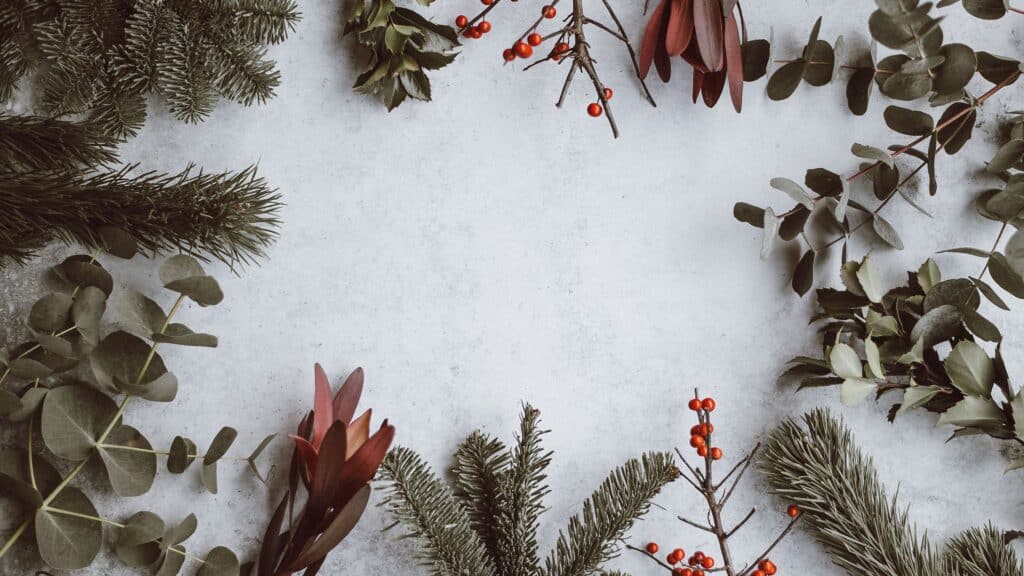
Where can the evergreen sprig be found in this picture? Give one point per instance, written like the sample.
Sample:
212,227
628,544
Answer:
486,523
846,508
34,143
103,57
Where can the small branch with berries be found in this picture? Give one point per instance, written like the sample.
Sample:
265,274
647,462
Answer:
717,495
570,45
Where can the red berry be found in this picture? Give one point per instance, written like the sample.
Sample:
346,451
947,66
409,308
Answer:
508,55
698,573
562,47
694,404
702,451
695,430
679,553
704,429
608,94
698,556
535,39
594,109
475,33
484,26
652,547
549,11
686,572
697,441
679,571
767,567
759,573
793,510
671,559
708,404
708,562
716,453
461,21
487,2
523,50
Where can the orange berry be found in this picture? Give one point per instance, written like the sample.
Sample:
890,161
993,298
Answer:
768,566
678,571
549,11
679,554
594,109
671,559
608,93
562,47
702,451
475,33
508,55
793,511
698,573
523,50
716,453
698,556
759,573
708,404
695,431
535,39
703,429
652,547
484,26
694,404
461,21
697,441
686,572
708,562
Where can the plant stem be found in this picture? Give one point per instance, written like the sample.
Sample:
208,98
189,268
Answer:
102,437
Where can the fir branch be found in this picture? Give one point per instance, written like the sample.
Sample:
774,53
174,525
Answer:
523,492
185,77
982,552
35,143
244,74
230,216
266,21
479,465
426,507
592,537
844,505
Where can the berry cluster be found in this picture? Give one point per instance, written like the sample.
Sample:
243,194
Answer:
716,494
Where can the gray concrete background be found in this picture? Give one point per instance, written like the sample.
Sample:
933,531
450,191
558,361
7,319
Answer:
487,248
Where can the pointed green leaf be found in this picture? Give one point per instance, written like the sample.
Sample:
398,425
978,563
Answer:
970,369
853,391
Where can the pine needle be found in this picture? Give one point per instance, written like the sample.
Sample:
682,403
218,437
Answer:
523,491
479,465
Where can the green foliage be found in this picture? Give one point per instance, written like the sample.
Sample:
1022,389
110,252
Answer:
102,58
402,46
877,342
862,528
486,524
48,194
83,421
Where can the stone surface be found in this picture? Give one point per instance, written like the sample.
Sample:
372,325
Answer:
488,248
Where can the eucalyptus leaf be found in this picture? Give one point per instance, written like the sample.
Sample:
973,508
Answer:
907,86
957,292
981,327
872,153
203,290
989,293
118,242
957,70
1008,155
50,313
786,80
143,315
986,9
82,271
68,542
955,135
208,475
794,191
771,226
756,54
220,561
55,345
182,335
909,122
820,64
138,542
803,276
179,267
997,69
31,400
219,446
9,402
118,361
824,182
73,417
181,455
886,232
749,213
1005,276
858,90
129,460
29,369
86,312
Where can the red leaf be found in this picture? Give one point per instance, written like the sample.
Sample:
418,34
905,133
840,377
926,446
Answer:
680,27
698,83
322,411
270,550
734,62
363,465
330,463
649,46
340,525
692,56
714,84
347,398
306,452
707,19
358,433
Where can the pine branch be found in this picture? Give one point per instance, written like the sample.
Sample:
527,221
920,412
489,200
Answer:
523,492
145,31
244,74
185,78
35,143
843,503
266,21
592,537
480,462
982,552
421,502
230,216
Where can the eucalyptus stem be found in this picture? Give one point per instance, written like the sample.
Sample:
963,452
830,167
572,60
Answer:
162,452
102,437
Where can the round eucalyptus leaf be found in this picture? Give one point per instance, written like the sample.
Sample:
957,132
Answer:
129,460
50,313
1005,276
753,215
820,64
181,455
55,345
73,417
182,531
20,490
956,71
1014,251
785,80
30,402
29,369
884,180
1004,205
890,31
118,242
179,267
118,360
955,135
68,542
138,542
171,562
143,316
220,444
83,271
996,69
793,224
203,290
14,463
182,335
756,54
86,312
824,182
909,122
905,86
888,66
9,402
986,9
220,561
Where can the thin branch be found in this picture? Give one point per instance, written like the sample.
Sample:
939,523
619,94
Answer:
742,522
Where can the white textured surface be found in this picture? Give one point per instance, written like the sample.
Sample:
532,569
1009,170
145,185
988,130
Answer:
488,248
